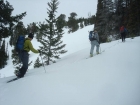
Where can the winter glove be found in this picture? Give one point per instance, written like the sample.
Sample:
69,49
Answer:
39,51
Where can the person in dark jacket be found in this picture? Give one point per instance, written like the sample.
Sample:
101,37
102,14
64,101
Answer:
24,56
123,32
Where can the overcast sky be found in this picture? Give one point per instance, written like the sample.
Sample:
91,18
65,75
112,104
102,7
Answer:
37,9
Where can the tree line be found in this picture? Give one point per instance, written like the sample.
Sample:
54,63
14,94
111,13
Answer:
111,16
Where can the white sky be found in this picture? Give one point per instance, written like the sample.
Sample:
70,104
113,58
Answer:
37,9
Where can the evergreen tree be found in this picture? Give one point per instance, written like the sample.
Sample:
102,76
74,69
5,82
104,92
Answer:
51,35
108,18
92,19
18,29
32,28
81,25
61,21
7,52
101,20
6,26
38,36
37,63
7,21
3,56
16,61
72,22
128,15
85,22
134,18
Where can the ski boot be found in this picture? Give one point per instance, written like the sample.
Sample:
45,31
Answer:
97,53
91,55
17,73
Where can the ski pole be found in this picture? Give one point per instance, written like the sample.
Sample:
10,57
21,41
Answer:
42,62
100,49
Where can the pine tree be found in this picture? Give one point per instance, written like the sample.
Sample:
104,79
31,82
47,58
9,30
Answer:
7,21
101,20
92,19
61,21
37,63
6,26
51,42
111,16
32,28
134,18
72,22
18,29
85,22
3,56
81,25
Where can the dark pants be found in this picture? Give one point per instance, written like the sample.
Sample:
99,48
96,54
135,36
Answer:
123,35
24,58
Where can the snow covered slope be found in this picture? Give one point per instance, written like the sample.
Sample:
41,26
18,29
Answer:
110,78
74,42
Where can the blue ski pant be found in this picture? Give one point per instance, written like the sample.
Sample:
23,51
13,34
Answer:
24,58
123,35
93,44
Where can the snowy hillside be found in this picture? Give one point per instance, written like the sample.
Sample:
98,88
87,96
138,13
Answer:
110,78
74,42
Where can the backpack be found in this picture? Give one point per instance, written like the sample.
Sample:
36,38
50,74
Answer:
91,36
122,29
125,30
20,43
